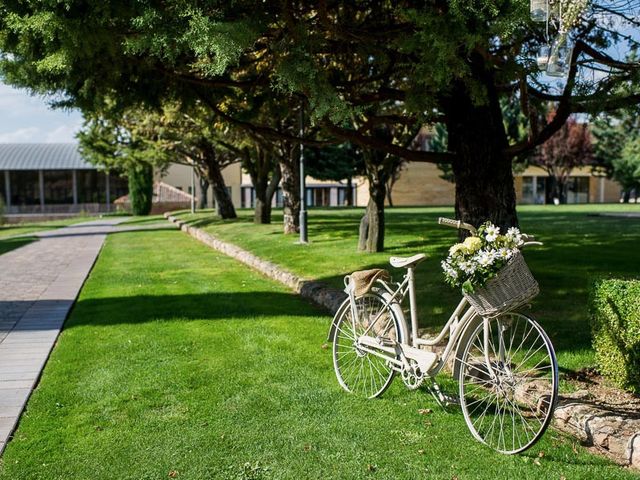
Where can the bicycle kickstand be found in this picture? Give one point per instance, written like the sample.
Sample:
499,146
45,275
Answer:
443,399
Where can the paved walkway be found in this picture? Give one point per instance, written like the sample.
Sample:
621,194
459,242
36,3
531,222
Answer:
38,285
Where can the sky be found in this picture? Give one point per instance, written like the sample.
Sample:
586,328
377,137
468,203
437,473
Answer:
24,118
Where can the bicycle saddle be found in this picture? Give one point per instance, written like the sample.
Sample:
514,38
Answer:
407,262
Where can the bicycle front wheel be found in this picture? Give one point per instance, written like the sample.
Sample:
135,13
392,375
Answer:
359,372
508,382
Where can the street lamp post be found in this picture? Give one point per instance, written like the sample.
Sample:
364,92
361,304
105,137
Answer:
193,189
303,200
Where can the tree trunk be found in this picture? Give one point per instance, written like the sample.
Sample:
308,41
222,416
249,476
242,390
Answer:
349,195
224,205
291,194
203,185
363,231
371,237
559,190
261,211
389,199
483,172
262,206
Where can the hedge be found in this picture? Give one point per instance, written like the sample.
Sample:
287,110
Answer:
615,323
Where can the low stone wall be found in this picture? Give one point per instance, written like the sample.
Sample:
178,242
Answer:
615,434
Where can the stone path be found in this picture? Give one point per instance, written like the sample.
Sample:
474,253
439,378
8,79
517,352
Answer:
38,285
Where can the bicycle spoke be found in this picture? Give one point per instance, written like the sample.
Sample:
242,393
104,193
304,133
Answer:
510,410
358,370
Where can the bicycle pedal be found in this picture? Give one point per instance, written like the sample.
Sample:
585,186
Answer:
443,399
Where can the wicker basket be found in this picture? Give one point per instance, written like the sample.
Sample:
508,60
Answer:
511,288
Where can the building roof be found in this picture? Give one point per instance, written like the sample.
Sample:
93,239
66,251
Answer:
42,156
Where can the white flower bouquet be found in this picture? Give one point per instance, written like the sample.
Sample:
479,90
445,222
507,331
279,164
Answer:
472,263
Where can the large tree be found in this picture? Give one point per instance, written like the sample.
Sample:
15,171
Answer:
410,63
169,134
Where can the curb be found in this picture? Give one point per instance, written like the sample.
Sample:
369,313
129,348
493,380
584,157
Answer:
614,434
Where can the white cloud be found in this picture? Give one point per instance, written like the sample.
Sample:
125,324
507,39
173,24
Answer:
27,118
20,135
62,134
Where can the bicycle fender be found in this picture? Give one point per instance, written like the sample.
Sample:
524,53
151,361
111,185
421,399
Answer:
462,343
395,308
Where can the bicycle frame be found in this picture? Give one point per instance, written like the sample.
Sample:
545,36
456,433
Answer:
461,317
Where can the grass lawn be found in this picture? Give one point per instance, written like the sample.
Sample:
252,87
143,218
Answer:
578,247
178,362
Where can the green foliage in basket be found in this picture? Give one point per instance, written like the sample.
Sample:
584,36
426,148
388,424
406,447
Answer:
615,324
479,258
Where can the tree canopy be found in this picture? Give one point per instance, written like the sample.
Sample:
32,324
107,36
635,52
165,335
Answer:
356,65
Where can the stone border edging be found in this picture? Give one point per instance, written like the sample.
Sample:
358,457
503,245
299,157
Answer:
320,293
617,436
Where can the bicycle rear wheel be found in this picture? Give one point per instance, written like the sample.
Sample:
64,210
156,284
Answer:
359,372
508,406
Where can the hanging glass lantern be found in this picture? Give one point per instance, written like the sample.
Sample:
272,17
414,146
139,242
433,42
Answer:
542,58
560,56
539,10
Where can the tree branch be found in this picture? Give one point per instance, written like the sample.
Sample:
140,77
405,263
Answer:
377,144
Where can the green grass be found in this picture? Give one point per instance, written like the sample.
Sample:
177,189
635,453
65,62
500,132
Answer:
24,228
578,248
144,220
178,359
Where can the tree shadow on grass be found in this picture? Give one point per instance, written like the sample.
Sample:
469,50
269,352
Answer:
8,244
203,306
139,309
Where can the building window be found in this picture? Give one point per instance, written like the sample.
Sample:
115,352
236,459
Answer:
25,187
118,187
92,186
58,187
320,197
533,190
248,197
578,190
342,196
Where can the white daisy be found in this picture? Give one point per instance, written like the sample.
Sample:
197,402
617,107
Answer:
515,235
485,258
491,233
467,267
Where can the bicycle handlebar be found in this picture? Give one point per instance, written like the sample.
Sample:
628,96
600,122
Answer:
457,224
527,239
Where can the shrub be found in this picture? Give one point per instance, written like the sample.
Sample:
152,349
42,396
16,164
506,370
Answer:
1,211
615,322
140,178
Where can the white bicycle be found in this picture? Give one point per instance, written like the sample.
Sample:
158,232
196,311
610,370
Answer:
506,366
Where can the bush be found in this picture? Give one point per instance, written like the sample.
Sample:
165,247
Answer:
140,188
615,322
1,211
